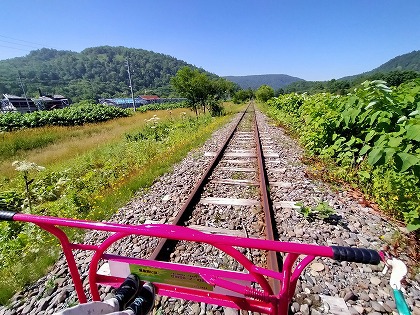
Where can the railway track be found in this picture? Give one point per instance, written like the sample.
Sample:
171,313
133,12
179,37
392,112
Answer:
234,186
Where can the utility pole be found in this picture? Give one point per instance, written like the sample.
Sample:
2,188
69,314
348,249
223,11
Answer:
24,93
131,85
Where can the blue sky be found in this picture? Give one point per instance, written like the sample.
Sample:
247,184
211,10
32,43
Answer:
310,39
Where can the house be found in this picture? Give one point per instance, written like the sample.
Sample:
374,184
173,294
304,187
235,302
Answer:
49,102
151,98
122,102
13,103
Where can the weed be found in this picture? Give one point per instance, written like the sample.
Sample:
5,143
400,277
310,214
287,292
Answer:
321,211
71,303
324,210
252,190
217,217
238,175
304,210
49,285
397,241
25,167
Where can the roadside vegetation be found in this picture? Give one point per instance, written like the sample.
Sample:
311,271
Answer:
85,172
369,138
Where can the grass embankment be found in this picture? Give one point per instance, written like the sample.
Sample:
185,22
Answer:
90,172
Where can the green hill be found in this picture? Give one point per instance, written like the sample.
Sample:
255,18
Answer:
410,61
91,74
276,81
405,62
395,71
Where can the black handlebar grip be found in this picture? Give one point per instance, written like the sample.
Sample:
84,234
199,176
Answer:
6,215
359,255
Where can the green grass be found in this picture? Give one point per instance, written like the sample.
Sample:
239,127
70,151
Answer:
102,173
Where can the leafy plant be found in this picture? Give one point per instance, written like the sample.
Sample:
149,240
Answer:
323,210
10,200
304,210
161,106
375,130
75,115
154,130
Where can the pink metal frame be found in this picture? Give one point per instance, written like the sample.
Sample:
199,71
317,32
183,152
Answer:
261,300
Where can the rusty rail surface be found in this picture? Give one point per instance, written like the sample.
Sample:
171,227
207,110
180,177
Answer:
273,260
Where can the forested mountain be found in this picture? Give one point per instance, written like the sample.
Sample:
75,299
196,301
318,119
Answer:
276,81
409,61
395,71
91,74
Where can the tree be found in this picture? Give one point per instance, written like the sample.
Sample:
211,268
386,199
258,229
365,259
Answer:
201,90
220,89
243,96
280,91
183,84
264,93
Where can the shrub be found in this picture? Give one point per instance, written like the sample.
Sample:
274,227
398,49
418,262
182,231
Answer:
372,133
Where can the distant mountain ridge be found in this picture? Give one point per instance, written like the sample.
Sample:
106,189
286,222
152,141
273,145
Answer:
397,70
101,72
276,81
409,61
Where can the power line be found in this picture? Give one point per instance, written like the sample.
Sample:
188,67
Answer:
5,41
25,41
14,48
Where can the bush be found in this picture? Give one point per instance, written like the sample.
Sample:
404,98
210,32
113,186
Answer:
373,132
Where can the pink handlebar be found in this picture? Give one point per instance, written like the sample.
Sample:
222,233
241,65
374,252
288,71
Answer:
261,299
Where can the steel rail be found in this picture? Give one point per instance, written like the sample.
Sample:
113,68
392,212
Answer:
273,259
165,246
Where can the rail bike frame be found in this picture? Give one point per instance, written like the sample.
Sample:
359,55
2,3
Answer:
240,290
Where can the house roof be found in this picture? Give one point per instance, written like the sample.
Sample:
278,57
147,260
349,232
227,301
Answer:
10,96
150,97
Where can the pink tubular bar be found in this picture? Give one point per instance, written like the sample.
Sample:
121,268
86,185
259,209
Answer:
247,297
